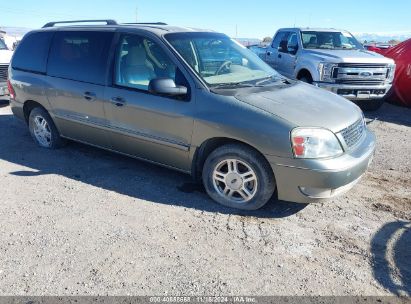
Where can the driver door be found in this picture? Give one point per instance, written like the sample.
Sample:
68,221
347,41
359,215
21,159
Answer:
144,125
287,55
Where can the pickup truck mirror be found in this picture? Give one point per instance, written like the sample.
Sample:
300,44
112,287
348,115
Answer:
166,86
283,46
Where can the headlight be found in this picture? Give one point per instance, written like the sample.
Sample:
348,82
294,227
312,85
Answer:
314,143
391,72
326,71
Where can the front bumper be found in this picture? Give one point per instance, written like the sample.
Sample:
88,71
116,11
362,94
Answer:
3,89
356,92
311,180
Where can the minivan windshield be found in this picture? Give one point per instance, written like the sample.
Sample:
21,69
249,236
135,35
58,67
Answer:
2,45
329,40
221,61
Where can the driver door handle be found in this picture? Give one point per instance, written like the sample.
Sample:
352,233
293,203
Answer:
118,101
279,56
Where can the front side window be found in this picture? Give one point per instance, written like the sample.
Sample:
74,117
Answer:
2,45
219,60
329,40
81,56
139,60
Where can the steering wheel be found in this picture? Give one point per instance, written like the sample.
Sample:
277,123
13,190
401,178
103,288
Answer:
224,66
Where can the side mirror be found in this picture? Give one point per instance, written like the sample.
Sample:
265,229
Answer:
166,86
283,46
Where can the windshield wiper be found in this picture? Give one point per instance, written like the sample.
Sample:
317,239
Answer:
276,79
232,85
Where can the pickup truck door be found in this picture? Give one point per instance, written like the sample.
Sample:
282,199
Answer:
273,54
287,55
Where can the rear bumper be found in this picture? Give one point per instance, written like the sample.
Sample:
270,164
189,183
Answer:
356,92
3,89
305,181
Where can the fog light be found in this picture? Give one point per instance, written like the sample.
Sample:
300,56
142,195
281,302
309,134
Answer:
316,192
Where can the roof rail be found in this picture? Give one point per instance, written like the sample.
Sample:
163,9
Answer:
146,23
107,21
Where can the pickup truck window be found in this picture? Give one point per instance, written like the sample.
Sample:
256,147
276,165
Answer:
278,38
329,40
219,60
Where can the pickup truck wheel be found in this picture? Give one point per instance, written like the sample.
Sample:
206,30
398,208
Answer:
237,176
370,105
306,79
43,129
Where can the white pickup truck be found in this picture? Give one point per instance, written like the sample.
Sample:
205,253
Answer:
334,60
5,57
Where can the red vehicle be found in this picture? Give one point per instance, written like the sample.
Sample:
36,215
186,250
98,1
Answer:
400,92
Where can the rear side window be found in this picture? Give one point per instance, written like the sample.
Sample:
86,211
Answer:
31,54
80,56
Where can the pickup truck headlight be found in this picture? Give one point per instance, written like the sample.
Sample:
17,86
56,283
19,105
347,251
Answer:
314,143
391,72
326,71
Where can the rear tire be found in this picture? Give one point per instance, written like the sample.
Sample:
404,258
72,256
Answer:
43,129
370,105
237,176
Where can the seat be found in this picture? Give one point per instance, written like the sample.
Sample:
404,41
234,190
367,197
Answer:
136,69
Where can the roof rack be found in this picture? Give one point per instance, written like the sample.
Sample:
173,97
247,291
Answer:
146,23
107,21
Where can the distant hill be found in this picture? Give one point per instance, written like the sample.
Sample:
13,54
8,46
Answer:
15,31
383,36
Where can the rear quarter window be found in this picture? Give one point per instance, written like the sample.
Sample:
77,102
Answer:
31,54
80,55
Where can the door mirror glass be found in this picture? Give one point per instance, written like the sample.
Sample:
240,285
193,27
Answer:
166,86
292,49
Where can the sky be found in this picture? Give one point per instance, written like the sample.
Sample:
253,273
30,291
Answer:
236,18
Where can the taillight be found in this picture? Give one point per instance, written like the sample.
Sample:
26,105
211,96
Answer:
11,90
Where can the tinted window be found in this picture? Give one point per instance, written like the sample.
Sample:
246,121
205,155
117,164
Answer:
277,39
140,60
292,44
80,56
31,55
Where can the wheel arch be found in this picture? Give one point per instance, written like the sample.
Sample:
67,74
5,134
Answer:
207,147
304,72
28,106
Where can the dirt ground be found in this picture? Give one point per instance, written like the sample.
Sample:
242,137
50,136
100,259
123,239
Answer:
81,221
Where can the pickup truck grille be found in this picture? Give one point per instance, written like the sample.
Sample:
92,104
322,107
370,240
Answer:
3,72
353,133
361,73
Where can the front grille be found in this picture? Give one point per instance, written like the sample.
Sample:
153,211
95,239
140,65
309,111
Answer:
361,73
3,72
360,81
362,65
353,133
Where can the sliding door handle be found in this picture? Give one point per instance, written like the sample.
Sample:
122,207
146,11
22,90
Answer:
89,96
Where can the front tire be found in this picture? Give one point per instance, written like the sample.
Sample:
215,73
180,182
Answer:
237,176
43,129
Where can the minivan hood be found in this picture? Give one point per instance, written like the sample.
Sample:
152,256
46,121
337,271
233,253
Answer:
5,56
351,56
305,106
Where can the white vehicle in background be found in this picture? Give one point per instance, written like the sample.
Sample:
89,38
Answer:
5,57
333,60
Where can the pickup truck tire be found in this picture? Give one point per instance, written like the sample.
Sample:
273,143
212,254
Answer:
237,176
43,130
370,105
306,79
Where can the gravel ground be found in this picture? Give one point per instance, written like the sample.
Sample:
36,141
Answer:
81,221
